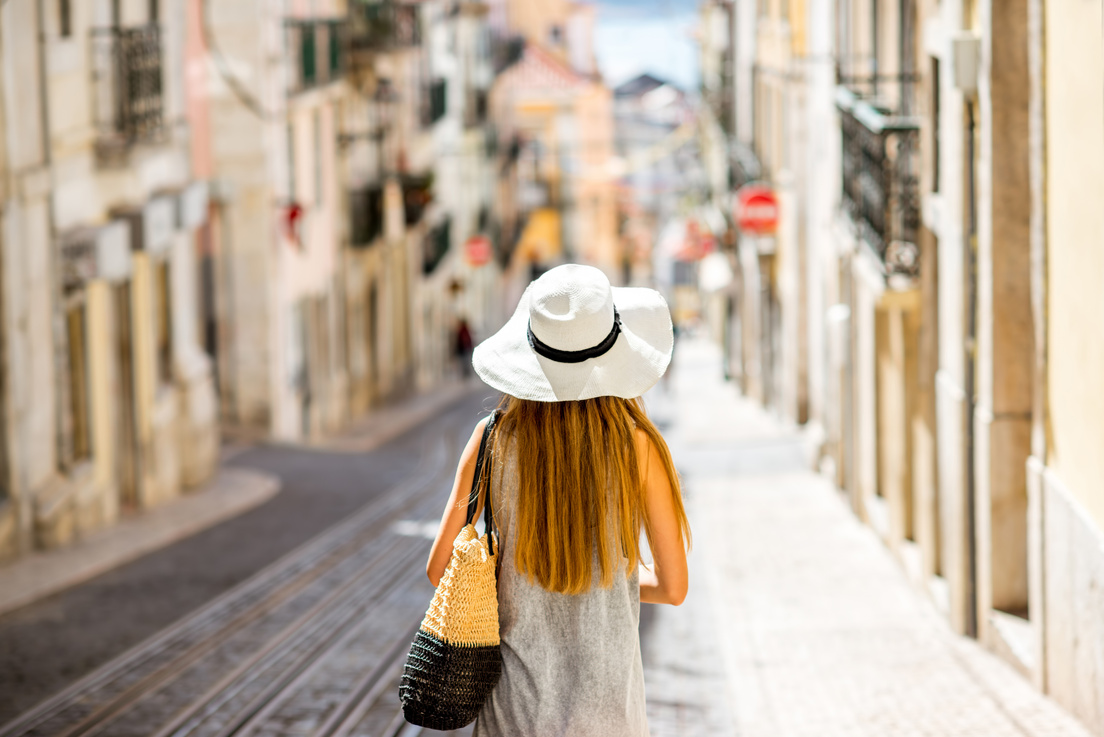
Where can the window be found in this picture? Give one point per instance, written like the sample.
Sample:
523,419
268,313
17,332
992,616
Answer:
436,245
366,214
162,302
65,18
308,60
438,101
79,403
336,58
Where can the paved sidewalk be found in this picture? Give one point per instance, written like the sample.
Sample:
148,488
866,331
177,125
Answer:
231,492
799,621
389,421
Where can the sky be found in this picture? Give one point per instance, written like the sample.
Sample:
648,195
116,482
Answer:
656,36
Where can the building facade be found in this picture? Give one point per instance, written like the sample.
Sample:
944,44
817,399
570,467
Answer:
938,167
108,396
263,220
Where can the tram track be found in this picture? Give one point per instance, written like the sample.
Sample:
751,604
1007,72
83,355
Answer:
235,666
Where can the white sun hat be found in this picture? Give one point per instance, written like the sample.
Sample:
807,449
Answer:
573,336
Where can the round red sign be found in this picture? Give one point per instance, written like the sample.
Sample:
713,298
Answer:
478,250
757,209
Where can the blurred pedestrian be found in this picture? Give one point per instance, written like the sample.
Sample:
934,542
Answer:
578,471
463,345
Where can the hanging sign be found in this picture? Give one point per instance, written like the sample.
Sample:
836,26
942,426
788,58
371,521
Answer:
757,209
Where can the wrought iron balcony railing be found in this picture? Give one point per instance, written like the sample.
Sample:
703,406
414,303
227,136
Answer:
127,85
880,179
383,25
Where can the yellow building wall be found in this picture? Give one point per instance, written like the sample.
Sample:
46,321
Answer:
101,390
1075,249
534,18
596,188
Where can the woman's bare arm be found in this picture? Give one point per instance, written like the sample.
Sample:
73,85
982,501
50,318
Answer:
452,521
666,581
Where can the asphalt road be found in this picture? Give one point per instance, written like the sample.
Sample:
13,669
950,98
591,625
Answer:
49,644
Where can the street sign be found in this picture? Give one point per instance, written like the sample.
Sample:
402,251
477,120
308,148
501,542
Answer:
478,250
757,209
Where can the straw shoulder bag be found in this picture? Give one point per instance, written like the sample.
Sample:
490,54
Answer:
455,660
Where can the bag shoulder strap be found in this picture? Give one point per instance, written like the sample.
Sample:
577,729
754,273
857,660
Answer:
473,496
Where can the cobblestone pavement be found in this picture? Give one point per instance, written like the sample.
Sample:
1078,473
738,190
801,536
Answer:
799,622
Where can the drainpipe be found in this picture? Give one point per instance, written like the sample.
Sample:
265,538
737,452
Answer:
970,257
61,353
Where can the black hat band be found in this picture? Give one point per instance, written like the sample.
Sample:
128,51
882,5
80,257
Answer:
555,354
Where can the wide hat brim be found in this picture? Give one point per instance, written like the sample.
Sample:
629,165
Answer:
638,358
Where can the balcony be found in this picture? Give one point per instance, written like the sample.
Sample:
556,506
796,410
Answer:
315,46
880,181
127,86
383,25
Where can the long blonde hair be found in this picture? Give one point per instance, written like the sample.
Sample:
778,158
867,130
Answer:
581,495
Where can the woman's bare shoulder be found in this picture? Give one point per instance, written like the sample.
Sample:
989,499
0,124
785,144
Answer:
644,442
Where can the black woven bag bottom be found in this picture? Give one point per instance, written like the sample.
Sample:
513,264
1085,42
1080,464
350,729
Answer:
444,686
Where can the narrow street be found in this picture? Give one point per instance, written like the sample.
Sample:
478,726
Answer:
294,618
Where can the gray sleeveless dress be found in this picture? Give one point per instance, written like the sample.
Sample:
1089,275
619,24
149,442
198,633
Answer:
570,664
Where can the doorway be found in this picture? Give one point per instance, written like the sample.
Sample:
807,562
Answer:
128,458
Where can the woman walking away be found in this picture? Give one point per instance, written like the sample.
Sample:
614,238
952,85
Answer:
578,471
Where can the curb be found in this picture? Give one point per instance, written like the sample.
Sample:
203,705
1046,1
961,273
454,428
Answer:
391,421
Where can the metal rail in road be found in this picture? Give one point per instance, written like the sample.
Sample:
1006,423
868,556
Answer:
312,645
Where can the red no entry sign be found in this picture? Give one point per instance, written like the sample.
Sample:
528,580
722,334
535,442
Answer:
478,250
757,209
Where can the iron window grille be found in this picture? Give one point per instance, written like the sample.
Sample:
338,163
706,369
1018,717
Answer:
880,183
128,85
